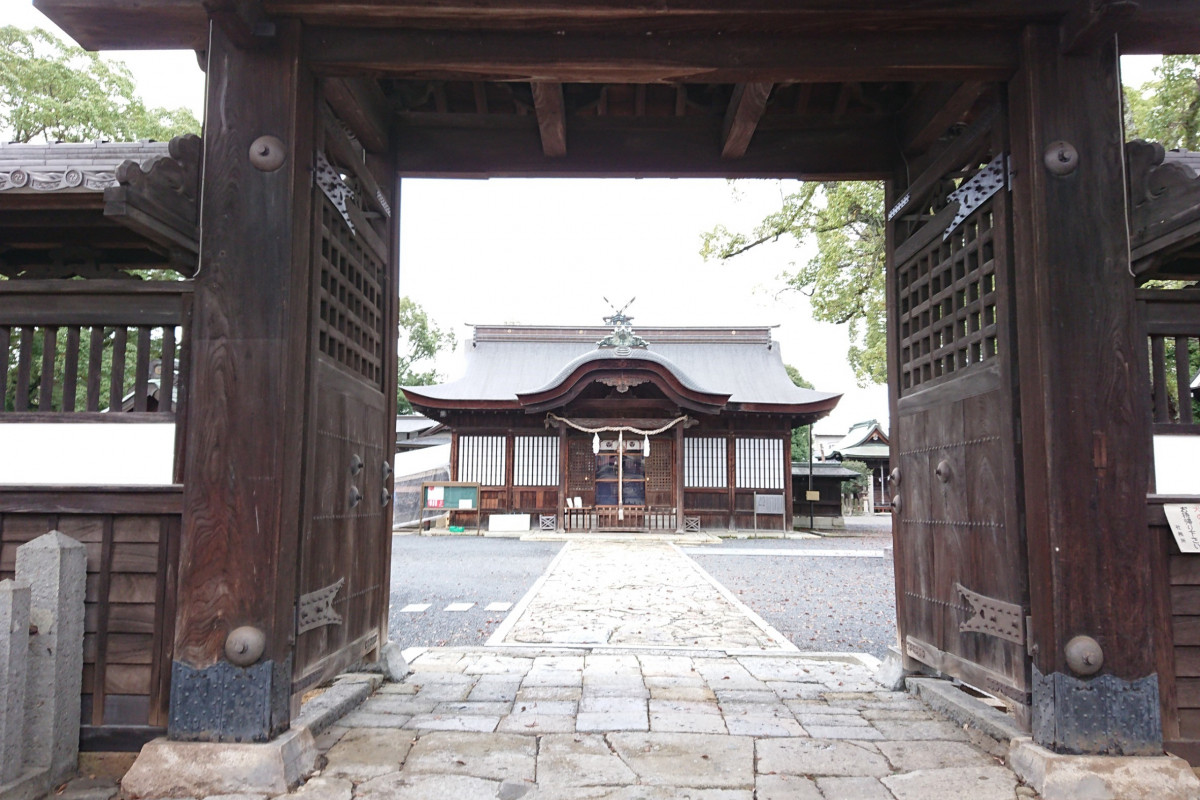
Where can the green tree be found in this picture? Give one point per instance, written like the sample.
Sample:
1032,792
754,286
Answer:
51,90
800,448
845,280
860,485
421,340
1167,109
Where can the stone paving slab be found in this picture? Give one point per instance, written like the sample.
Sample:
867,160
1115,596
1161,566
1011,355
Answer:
634,594
564,743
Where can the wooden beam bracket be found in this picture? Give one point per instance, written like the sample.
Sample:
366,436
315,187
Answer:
549,106
746,108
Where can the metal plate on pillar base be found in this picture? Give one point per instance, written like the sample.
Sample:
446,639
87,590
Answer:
224,703
1104,715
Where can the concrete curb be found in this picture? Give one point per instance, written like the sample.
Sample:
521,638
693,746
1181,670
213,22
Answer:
346,694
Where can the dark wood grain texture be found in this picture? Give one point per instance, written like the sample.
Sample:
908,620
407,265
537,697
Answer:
243,489
1083,406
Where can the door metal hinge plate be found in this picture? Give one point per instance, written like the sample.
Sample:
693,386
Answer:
993,617
316,608
974,192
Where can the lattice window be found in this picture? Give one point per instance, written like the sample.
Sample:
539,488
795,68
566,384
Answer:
353,287
704,463
535,461
759,463
581,465
658,467
481,459
947,303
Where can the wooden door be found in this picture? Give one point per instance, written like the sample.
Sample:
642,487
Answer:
961,570
345,547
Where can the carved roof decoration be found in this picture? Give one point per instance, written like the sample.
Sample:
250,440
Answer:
136,201
622,337
70,166
1164,211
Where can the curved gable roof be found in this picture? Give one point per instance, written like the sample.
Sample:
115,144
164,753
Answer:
742,365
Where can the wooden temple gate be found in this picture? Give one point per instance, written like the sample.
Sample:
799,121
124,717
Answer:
1021,417
962,586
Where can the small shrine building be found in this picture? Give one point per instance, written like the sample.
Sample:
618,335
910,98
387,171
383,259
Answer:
589,428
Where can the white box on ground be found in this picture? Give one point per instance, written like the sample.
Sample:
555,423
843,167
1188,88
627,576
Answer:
508,523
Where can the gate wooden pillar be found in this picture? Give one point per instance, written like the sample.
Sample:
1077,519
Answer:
1083,406
241,518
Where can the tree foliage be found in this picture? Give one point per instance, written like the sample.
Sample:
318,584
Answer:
51,90
800,445
858,485
1167,109
421,340
844,280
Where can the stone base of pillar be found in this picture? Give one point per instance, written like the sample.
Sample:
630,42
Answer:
1066,777
167,768
29,785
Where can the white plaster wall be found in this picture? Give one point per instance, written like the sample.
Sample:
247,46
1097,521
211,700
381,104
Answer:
127,454
1177,464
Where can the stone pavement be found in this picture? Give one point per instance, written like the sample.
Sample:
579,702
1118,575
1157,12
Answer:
745,717
562,725
634,594
628,673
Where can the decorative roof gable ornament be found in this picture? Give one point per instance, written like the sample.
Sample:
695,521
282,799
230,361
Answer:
622,338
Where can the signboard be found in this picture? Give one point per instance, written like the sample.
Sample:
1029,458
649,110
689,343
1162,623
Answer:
450,496
812,495
1185,524
435,497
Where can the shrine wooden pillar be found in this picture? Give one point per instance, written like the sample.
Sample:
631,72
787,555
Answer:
564,455
788,499
235,628
1083,407
678,468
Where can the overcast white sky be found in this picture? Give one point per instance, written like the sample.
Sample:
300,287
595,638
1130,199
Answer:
546,251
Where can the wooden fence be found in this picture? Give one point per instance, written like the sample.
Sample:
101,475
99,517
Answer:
1170,321
132,540
104,351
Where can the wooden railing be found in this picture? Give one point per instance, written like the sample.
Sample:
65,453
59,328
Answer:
634,518
1170,319
92,350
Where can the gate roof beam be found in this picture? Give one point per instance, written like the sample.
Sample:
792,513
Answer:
1156,26
687,57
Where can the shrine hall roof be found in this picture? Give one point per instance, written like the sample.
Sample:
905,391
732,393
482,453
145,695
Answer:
743,363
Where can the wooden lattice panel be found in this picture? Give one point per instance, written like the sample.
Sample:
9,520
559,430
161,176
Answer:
353,280
947,304
581,465
659,473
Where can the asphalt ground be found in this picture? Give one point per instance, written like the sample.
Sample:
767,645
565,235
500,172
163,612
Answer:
819,602
441,570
